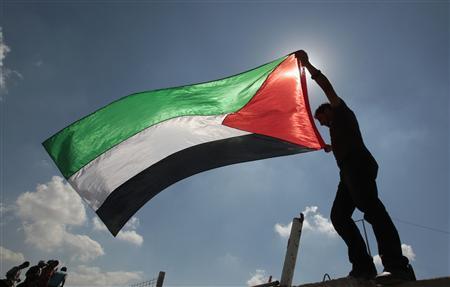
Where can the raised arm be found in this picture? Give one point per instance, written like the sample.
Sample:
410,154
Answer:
320,78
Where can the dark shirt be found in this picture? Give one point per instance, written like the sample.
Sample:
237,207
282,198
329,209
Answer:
46,273
345,136
58,278
14,274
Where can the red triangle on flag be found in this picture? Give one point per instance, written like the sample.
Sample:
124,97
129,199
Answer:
280,108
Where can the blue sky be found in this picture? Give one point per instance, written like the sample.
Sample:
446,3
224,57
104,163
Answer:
63,60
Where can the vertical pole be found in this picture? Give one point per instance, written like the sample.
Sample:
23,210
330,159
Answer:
291,253
160,281
365,235
367,240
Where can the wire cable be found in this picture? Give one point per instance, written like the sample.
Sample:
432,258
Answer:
421,226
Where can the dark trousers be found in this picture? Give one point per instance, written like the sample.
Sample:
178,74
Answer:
357,189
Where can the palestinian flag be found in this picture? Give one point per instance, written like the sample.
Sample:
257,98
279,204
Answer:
125,153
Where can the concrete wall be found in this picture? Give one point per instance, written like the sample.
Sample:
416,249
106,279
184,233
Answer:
343,282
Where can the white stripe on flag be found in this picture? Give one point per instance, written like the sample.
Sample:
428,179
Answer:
95,181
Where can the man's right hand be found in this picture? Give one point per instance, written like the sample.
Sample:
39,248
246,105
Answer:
302,56
327,148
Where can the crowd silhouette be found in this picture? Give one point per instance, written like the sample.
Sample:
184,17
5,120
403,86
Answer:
44,274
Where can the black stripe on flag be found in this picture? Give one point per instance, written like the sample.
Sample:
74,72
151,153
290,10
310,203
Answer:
126,200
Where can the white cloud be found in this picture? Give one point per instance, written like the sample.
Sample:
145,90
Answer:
283,230
5,208
84,275
130,236
48,213
98,225
4,49
82,247
377,261
4,72
133,223
44,235
55,201
6,213
407,251
314,221
259,277
10,256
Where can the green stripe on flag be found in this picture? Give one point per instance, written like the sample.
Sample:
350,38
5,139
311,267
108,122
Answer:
81,142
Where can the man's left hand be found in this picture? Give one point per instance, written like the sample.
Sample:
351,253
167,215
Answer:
302,56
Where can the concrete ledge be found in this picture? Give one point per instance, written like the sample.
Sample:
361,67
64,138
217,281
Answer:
344,282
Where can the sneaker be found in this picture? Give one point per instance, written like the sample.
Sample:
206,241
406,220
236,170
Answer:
363,274
396,276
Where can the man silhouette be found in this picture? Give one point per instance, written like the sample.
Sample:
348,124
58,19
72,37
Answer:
357,189
13,275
